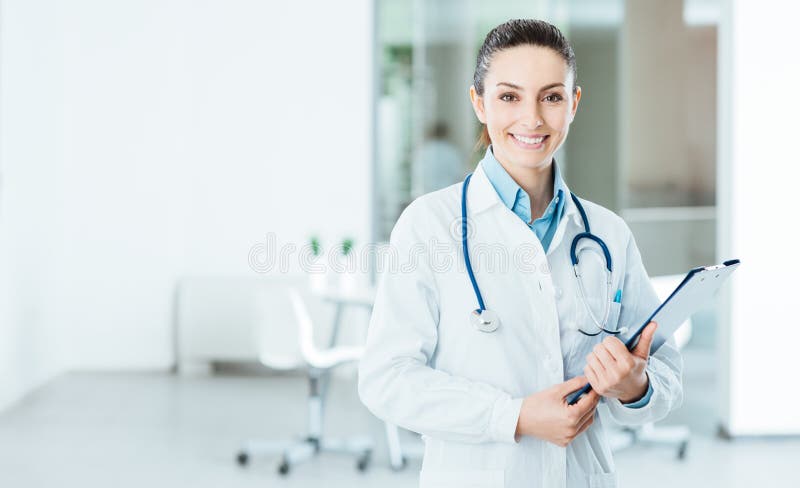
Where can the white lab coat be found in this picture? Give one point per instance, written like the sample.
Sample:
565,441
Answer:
427,369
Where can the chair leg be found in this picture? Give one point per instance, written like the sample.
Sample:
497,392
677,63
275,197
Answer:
674,435
361,447
315,415
650,434
396,459
258,447
303,450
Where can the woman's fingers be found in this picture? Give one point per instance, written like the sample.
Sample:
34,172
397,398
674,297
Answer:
571,385
615,348
592,399
642,349
594,378
586,423
603,355
593,362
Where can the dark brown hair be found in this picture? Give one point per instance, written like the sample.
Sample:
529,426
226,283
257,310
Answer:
517,32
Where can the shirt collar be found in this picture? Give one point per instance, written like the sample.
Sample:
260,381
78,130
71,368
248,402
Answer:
504,185
560,189
509,191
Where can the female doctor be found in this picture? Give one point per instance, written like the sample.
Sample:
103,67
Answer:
479,355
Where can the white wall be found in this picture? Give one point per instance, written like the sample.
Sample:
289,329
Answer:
758,175
31,162
176,136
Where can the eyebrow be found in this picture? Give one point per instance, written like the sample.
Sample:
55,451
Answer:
517,87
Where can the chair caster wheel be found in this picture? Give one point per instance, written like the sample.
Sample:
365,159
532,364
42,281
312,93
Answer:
283,468
242,458
364,461
403,464
682,450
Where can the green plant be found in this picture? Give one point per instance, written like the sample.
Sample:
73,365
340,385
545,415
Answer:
316,247
347,246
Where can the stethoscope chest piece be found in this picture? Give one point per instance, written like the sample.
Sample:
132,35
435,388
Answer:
484,321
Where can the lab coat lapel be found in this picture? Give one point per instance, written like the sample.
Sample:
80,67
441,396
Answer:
571,217
481,194
503,223
535,286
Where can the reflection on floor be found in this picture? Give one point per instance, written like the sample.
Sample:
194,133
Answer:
136,430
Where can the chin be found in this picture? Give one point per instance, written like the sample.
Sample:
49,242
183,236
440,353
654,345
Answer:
531,161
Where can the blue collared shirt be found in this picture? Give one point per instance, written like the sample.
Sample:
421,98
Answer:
518,201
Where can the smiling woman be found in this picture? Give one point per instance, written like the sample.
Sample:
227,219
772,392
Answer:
487,387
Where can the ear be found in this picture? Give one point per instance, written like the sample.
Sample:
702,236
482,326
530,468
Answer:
477,104
576,100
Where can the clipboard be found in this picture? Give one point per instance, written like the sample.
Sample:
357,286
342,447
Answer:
698,288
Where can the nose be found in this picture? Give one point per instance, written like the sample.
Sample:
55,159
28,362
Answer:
531,116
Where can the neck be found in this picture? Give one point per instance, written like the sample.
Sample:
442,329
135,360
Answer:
537,183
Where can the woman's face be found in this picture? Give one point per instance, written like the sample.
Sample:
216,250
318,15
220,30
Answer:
527,104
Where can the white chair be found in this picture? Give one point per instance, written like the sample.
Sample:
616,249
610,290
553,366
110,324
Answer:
285,340
673,435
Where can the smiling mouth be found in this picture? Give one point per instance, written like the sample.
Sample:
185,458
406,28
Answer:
530,142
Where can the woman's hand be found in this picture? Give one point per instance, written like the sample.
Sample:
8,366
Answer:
615,372
546,415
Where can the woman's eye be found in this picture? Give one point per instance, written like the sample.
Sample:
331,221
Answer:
507,97
555,97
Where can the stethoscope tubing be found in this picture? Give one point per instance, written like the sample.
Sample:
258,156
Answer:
587,234
464,229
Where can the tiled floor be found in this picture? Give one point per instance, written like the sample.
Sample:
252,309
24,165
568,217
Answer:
136,430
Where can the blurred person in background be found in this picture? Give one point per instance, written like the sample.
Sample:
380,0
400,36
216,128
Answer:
437,163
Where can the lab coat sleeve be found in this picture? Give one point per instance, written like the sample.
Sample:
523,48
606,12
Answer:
664,368
396,381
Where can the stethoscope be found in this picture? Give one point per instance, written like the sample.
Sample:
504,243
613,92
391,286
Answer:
487,321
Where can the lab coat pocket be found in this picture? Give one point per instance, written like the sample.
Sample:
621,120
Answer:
613,316
466,478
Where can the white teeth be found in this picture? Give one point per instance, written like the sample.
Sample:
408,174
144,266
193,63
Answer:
529,140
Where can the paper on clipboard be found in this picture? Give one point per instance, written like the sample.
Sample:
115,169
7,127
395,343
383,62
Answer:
696,291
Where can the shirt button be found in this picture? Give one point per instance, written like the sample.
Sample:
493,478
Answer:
558,292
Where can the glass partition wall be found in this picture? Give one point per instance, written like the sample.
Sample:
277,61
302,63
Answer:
643,143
